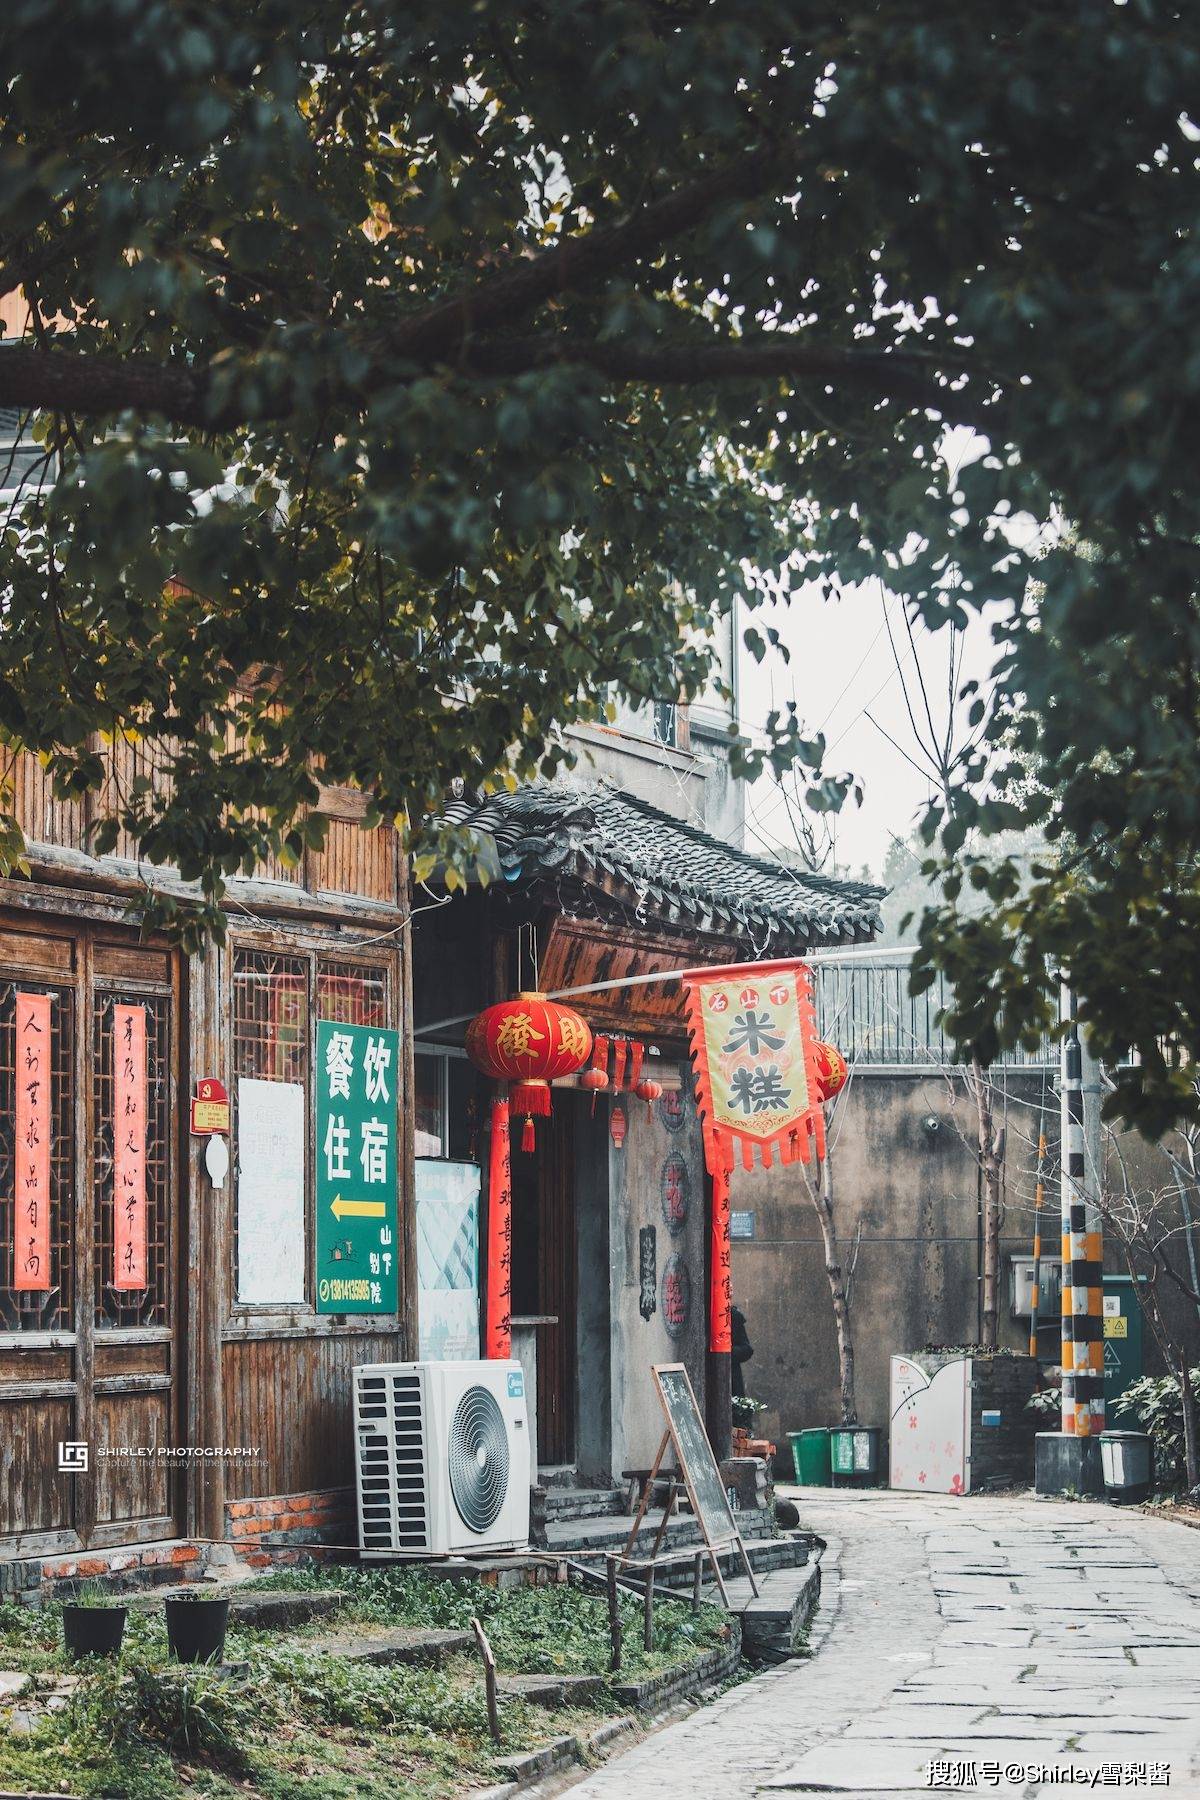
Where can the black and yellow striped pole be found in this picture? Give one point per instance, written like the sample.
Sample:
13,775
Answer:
1082,1254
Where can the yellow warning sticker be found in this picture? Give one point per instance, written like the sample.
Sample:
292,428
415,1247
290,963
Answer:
1116,1328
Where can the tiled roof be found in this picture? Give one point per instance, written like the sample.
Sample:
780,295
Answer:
665,869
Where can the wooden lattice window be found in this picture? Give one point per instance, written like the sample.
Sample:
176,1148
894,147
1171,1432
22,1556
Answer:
275,998
349,994
54,1310
270,1016
151,1305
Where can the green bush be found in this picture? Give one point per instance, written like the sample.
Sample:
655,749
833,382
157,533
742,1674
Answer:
1155,1404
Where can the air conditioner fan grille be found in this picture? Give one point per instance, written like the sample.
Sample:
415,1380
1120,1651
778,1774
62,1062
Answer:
478,1459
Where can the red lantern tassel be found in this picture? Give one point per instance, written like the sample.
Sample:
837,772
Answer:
530,1097
528,1141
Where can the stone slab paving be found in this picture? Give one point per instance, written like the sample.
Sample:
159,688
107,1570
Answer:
993,1630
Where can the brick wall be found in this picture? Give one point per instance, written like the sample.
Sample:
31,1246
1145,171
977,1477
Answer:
260,1529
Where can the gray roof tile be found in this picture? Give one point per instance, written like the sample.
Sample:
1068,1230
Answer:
669,868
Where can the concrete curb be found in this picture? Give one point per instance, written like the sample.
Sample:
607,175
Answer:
656,1693
662,1689
555,1759
1188,1516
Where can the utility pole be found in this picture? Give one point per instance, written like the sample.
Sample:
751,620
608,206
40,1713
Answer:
1082,1243
1092,1084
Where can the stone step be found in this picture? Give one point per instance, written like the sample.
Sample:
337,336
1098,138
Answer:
554,1692
428,1648
611,1531
582,1503
279,1609
773,1623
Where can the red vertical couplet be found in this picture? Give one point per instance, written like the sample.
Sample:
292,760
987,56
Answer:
720,1330
129,1147
497,1323
31,1159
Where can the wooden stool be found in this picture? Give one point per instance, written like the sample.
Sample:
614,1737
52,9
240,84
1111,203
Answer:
640,1480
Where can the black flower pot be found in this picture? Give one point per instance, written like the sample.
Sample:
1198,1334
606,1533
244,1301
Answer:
196,1629
93,1630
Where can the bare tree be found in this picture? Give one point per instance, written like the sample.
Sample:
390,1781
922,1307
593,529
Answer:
987,1142
821,1192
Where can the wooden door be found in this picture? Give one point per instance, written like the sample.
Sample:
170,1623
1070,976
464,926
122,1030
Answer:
85,1363
544,1257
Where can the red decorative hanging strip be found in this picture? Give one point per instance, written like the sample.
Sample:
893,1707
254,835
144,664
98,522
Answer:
129,1147
497,1326
720,1295
753,1035
31,1146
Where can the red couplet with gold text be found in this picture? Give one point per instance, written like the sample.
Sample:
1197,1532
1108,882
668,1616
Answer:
31,1160
129,1147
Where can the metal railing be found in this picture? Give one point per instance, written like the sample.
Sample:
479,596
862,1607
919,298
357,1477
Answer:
868,1012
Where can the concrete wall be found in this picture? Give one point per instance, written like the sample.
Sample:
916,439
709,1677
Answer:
638,1183
693,785
914,1186
593,1402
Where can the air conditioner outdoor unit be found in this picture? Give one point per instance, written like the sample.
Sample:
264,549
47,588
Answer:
442,1458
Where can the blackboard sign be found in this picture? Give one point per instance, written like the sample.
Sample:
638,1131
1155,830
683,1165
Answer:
696,1464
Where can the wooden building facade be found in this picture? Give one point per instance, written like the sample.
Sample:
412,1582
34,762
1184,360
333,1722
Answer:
205,1413
611,1220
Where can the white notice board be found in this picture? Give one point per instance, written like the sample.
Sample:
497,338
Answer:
270,1192
448,1259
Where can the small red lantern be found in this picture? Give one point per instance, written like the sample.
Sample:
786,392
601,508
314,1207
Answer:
831,1071
617,1126
529,1041
649,1091
593,1081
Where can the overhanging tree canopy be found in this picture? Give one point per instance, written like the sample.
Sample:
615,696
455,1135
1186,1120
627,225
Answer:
395,354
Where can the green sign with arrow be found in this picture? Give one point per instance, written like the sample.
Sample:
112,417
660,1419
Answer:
358,1235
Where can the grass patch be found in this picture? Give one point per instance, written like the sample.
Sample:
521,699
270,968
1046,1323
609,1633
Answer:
547,1630
302,1725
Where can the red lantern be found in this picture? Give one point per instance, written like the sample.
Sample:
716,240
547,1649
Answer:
529,1041
617,1126
593,1081
649,1091
831,1071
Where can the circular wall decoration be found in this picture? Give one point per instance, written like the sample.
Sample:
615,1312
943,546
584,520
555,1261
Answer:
675,1300
675,1184
669,1107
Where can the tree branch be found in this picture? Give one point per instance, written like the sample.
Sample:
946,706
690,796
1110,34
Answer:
775,355
576,261
450,330
61,380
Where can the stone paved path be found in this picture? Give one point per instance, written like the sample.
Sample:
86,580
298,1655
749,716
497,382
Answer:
992,1631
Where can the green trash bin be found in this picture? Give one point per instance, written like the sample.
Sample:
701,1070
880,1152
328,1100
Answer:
855,1453
811,1457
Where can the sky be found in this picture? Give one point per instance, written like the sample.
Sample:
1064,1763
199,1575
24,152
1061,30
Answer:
843,676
